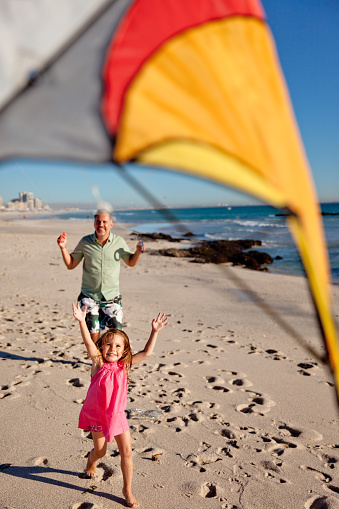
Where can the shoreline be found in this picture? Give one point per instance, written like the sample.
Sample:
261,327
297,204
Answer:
127,229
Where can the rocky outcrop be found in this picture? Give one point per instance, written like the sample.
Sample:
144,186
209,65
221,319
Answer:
237,252
161,236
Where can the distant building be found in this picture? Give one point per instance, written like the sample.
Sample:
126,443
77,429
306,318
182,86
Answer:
25,202
28,197
11,205
37,203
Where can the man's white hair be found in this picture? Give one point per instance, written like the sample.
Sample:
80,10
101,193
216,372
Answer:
100,212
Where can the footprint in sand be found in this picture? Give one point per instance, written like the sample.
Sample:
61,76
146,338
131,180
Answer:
177,396
215,348
207,490
240,382
4,392
173,408
39,461
193,417
328,460
214,379
305,368
279,446
321,476
85,505
184,421
299,432
140,428
322,503
259,404
232,442
270,466
219,388
228,433
215,383
172,371
199,361
203,405
206,455
104,472
238,379
155,367
275,355
171,352
180,393
271,470
75,382
211,490
8,391
190,489
333,488
158,486
200,350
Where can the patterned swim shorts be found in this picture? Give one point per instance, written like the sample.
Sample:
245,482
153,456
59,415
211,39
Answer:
106,313
97,429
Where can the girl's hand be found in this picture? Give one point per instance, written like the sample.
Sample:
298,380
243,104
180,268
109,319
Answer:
78,313
159,322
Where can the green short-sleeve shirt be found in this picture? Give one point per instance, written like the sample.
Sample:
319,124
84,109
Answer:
101,266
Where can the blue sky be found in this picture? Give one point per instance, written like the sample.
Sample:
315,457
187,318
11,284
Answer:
307,38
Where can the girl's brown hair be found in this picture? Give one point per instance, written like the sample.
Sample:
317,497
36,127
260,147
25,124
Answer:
127,354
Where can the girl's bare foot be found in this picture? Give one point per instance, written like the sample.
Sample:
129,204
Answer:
130,500
91,465
84,475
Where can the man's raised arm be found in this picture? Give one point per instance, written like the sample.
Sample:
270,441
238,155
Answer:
70,262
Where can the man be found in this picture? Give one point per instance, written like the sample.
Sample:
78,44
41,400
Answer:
102,252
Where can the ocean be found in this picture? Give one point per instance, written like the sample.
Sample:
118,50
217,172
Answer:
258,222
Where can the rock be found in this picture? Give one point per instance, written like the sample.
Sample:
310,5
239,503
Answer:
160,236
244,259
176,253
285,214
222,251
261,257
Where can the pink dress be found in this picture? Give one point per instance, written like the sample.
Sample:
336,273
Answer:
106,401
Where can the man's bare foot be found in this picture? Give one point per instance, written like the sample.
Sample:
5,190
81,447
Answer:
130,500
91,465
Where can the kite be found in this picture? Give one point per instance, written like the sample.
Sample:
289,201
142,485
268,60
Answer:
191,86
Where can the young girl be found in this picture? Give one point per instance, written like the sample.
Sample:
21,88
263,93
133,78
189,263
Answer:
103,412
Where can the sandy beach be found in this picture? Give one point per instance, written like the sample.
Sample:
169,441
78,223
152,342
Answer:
229,412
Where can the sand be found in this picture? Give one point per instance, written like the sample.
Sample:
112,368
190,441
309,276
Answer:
229,412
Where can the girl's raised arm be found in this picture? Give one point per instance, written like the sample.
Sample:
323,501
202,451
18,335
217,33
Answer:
157,324
80,315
